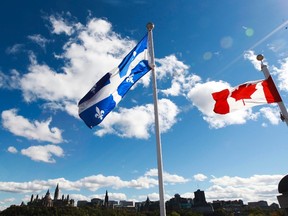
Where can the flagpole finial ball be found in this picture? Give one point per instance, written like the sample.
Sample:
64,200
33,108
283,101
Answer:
150,26
260,57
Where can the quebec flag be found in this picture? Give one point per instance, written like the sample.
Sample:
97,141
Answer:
111,88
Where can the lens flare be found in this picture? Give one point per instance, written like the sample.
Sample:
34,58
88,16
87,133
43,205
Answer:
249,32
226,42
207,56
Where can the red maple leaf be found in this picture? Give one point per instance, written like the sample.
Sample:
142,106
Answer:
244,91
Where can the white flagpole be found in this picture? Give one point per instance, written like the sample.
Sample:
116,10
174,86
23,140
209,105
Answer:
150,27
283,113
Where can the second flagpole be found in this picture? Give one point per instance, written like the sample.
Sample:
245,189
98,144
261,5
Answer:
150,27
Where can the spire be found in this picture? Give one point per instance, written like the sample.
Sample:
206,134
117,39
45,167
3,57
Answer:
56,194
106,199
147,202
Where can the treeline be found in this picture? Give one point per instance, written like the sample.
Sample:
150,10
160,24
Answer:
93,211
64,211
85,211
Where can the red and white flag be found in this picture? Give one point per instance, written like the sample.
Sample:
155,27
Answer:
246,95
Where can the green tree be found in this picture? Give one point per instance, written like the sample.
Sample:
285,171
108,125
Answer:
174,213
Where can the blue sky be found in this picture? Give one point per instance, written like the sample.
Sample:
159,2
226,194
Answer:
51,54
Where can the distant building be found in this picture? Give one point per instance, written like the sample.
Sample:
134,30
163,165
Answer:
147,205
261,204
125,203
274,206
112,203
178,202
200,203
47,201
229,205
197,204
82,203
98,202
199,198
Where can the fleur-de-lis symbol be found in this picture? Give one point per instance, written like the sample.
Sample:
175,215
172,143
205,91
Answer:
99,113
130,79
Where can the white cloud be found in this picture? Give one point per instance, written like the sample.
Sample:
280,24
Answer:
43,153
126,122
81,197
281,73
115,196
60,25
154,197
95,182
9,200
3,80
278,45
5,203
149,180
23,187
272,114
39,39
181,81
143,182
92,183
40,82
9,81
20,126
172,178
16,48
200,177
12,150
254,188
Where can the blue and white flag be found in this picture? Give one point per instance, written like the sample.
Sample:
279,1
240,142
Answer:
111,88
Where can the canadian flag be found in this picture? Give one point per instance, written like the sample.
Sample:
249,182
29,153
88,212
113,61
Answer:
246,95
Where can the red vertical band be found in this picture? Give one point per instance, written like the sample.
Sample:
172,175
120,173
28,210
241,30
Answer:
271,93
